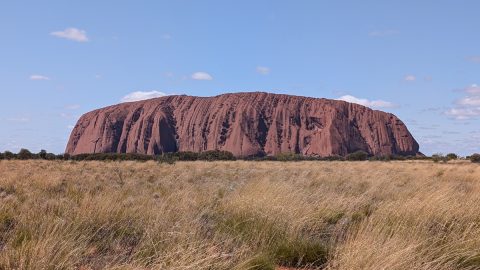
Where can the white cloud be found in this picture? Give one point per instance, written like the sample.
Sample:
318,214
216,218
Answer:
142,95
383,33
463,113
470,101
410,78
263,70
473,89
72,34
467,107
366,102
37,77
202,76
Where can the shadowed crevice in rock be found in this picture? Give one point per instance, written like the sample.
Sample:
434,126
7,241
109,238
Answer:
243,123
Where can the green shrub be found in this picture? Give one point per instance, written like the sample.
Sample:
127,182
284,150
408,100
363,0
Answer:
451,156
289,157
187,156
389,158
24,154
475,158
357,156
439,157
333,158
216,155
42,154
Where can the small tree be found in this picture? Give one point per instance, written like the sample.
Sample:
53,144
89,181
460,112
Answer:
439,157
452,156
24,154
42,154
475,158
8,155
357,156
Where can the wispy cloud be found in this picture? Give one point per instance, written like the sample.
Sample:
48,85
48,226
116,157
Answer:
169,74
366,102
72,107
21,119
142,95
263,70
467,107
383,33
202,76
470,101
166,36
37,77
473,89
72,34
463,113
410,78
474,59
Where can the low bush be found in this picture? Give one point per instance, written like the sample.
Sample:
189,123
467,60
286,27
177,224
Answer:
212,155
9,155
451,156
475,158
289,157
25,154
357,156
216,155
186,156
42,154
334,158
439,157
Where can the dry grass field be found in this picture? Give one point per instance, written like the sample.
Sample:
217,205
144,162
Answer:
239,215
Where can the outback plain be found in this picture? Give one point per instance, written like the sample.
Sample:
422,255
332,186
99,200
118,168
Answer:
239,215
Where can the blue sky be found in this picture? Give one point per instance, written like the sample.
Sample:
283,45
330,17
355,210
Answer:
417,59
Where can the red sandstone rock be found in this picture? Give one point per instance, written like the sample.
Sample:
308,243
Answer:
242,123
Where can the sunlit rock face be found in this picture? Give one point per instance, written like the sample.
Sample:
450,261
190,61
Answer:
245,124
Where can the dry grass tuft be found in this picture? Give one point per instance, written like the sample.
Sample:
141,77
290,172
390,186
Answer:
239,215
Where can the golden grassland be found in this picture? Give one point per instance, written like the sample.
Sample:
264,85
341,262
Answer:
239,215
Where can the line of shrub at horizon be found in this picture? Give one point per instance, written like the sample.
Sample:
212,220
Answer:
215,155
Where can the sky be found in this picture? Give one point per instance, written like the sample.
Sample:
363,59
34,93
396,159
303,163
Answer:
417,59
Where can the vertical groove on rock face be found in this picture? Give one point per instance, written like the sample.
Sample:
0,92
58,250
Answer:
244,124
